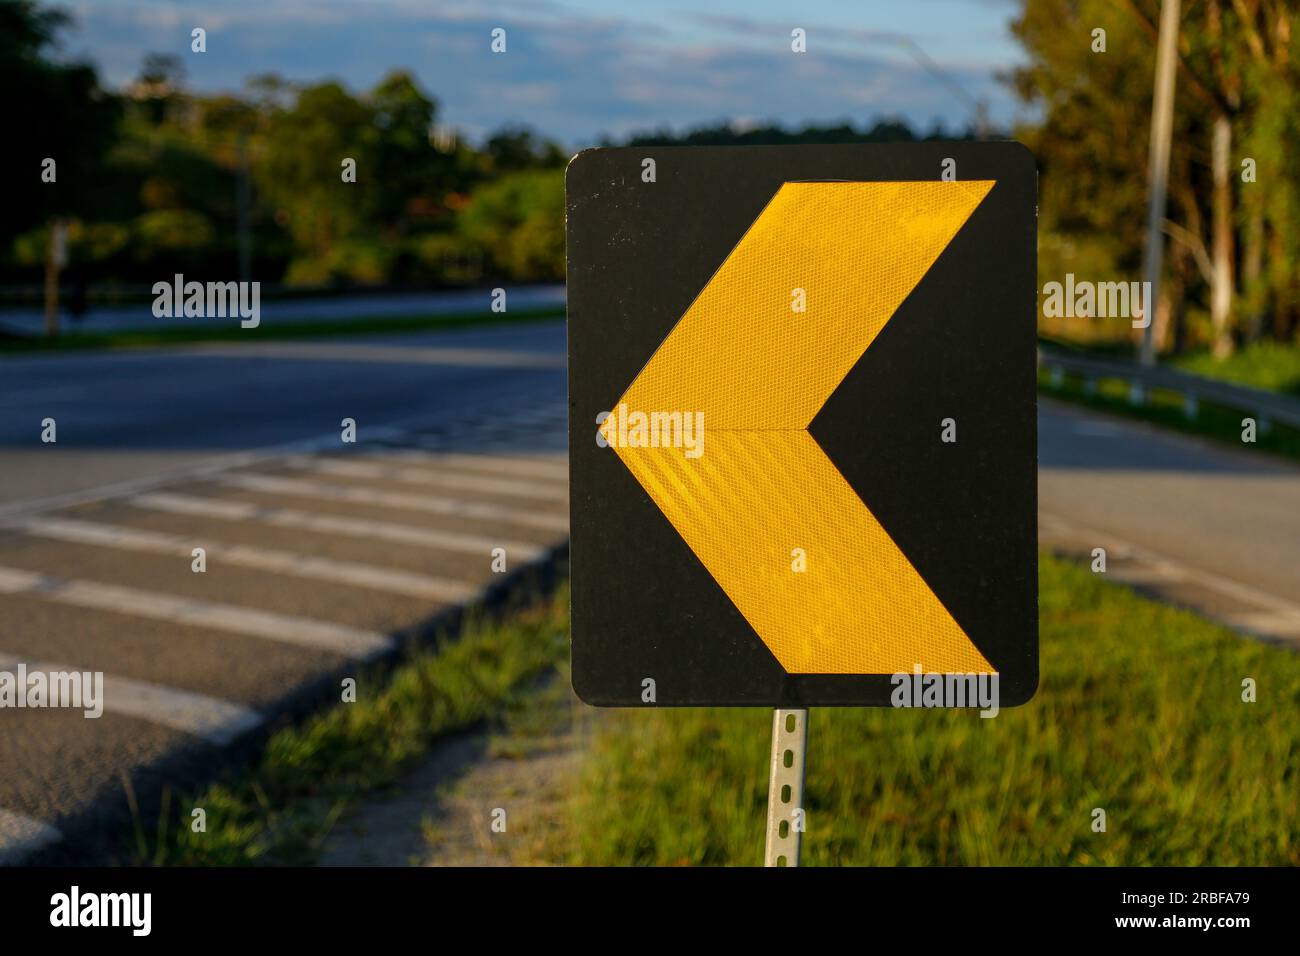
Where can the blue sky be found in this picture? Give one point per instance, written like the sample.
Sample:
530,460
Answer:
581,69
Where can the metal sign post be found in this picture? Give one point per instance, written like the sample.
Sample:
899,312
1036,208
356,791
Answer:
785,788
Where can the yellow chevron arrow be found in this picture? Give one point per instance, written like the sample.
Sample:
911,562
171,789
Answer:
760,372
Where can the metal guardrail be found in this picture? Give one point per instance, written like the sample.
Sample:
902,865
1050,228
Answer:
1266,408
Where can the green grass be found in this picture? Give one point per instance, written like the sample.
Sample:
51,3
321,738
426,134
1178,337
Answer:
1165,408
1267,365
1139,713
181,335
280,810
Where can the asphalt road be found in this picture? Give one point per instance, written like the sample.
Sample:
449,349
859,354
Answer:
1197,523
138,316
322,555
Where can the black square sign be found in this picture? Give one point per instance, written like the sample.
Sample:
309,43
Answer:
803,425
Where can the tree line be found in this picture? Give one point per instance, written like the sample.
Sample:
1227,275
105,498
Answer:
156,178
1232,266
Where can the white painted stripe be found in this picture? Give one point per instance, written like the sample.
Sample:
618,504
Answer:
392,499
551,467
418,476
217,721
431,538
285,628
21,836
1216,582
263,559
199,470
1266,622
400,354
1162,573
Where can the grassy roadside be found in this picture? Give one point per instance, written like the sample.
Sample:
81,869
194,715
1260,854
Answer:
280,810
1267,365
361,325
1165,408
1139,713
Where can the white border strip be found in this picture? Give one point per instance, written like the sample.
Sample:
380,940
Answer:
283,628
432,538
261,559
543,490
451,507
219,722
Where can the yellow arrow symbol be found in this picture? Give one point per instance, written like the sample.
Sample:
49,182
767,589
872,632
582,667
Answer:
759,372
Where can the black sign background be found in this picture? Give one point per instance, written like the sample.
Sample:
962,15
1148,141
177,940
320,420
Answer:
962,345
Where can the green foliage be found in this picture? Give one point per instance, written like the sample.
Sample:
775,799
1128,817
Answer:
1167,409
1139,713
282,809
171,230
300,164
1237,64
519,221
87,242
1267,365
75,118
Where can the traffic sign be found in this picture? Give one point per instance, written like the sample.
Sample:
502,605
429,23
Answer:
802,422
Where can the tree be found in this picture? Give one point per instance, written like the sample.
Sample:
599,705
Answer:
299,168
407,167
1236,99
53,110
519,221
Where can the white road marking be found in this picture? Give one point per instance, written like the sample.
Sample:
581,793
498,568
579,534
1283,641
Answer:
263,559
541,467
399,354
1161,573
418,476
1266,622
392,499
21,836
217,721
203,469
431,538
1161,568
392,431
285,628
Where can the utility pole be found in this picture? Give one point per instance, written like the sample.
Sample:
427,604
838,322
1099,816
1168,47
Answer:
56,258
1162,128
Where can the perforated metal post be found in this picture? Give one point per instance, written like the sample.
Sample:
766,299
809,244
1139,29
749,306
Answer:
785,789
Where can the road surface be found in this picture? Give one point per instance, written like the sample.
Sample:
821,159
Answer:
138,316
1196,523
322,554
